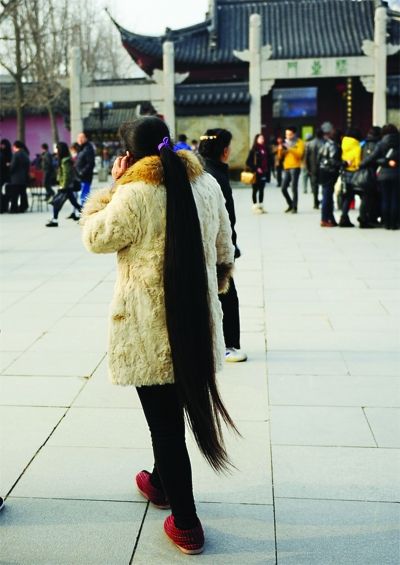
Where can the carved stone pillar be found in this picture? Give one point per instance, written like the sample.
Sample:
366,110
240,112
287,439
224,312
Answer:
169,85
255,75
379,103
75,98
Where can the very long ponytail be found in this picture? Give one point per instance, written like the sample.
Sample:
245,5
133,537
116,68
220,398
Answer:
188,314
186,293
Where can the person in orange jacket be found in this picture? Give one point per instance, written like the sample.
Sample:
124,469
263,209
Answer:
293,155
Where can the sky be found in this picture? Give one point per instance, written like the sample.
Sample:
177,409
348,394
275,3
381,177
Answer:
394,4
151,17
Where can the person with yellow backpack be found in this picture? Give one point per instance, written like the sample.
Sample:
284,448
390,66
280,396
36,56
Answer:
351,156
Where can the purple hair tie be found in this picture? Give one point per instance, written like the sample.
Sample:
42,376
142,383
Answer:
165,143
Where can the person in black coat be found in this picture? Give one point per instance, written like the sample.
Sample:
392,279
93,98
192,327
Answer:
19,179
370,207
257,161
5,161
387,156
311,163
215,149
329,162
47,166
84,165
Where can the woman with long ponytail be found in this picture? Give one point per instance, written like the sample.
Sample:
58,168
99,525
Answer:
167,221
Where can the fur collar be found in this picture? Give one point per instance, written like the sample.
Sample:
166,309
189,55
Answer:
150,170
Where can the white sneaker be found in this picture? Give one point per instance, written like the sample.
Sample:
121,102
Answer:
233,355
261,209
255,209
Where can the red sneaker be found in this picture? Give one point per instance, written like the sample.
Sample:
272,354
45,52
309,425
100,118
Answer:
146,489
190,541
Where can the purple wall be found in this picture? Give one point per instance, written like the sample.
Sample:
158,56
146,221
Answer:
37,131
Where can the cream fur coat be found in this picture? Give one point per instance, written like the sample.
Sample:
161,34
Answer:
131,221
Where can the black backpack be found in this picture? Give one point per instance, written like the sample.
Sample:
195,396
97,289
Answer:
327,164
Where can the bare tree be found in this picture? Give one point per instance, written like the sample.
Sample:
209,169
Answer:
102,53
13,55
45,27
35,37
7,7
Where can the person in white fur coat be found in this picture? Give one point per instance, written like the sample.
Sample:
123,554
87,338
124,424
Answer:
166,220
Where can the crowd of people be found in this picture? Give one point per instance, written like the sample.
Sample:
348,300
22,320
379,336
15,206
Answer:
332,162
69,168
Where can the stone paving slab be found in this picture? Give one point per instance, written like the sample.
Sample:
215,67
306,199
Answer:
373,363
312,532
250,482
236,534
342,473
306,362
23,430
57,364
246,399
316,425
16,340
84,473
316,390
7,358
385,425
69,532
99,392
102,427
39,391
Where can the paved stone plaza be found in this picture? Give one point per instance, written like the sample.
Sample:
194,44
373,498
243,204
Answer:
318,467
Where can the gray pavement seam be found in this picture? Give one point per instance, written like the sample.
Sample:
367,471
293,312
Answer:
370,427
139,533
265,330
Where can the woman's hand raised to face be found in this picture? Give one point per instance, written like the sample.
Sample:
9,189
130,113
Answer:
121,165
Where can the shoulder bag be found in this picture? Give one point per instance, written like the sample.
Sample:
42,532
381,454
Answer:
248,177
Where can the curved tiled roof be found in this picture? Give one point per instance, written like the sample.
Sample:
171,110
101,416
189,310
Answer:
294,28
215,94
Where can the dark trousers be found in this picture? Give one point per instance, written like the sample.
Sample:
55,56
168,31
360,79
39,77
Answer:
347,198
16,198
369,207
231,319
327,202
390,203
278,175
258,188
291,177
314,189
59,202
172,470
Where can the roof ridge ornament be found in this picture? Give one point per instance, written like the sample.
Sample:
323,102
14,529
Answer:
212,14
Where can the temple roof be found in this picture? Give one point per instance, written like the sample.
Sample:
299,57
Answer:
215,94
295,29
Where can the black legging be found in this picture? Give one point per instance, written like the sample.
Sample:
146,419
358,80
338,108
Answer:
172,471
231,320
258,187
